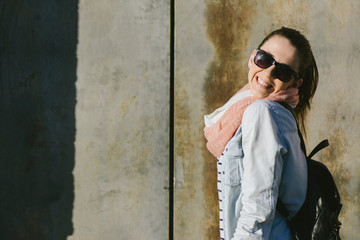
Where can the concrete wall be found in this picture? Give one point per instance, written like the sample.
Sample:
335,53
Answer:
85,106
122,121
214,40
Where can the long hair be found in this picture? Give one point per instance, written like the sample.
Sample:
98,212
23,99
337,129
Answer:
307,70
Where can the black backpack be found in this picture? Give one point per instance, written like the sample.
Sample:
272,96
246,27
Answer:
317,219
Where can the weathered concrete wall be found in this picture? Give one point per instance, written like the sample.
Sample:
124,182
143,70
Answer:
122,120
85,110
194,210
214,40
336,112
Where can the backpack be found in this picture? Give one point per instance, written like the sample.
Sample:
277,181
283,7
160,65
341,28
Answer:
317,219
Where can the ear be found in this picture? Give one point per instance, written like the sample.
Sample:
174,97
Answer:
251,60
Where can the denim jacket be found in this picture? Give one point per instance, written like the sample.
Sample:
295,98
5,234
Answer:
263,161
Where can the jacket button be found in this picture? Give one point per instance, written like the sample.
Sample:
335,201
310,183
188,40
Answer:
223,172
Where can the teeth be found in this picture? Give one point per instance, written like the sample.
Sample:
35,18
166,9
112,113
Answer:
263,83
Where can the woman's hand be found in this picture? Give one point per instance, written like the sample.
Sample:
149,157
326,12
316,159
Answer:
289,96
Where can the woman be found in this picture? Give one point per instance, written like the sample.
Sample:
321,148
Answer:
256,141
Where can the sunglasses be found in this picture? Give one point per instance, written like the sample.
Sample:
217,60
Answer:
282,71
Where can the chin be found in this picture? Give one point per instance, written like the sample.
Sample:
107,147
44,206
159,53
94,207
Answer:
259,93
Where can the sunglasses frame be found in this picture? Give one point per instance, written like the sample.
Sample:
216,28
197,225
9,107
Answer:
278,66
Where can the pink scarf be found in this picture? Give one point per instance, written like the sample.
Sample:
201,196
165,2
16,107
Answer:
219,134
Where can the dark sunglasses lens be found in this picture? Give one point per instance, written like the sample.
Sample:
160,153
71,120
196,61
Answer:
263,60
284,73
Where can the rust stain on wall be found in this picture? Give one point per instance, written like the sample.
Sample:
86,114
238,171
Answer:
228,28
132,156
185,194
334,157
140,154
124,107
114,152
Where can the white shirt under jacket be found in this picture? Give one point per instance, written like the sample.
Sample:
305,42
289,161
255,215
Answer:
262,161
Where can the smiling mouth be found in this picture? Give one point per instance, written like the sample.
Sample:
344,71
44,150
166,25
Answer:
264,84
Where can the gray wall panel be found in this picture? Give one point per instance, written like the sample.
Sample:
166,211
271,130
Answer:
122,120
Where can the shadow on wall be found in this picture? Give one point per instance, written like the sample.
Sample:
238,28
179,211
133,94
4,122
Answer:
37,109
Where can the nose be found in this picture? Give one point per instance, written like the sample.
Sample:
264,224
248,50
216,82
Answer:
269,72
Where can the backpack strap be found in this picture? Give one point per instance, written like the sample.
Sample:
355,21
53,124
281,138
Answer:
280,206
321,145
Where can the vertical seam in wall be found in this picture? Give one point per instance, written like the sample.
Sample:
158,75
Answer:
171,123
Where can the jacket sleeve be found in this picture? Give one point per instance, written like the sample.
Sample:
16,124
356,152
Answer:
262,166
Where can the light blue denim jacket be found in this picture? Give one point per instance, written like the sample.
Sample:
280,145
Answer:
262,161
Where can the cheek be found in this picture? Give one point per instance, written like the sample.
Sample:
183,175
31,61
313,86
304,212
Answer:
279,85
251,74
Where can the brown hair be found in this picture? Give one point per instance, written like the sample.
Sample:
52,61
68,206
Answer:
307,70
